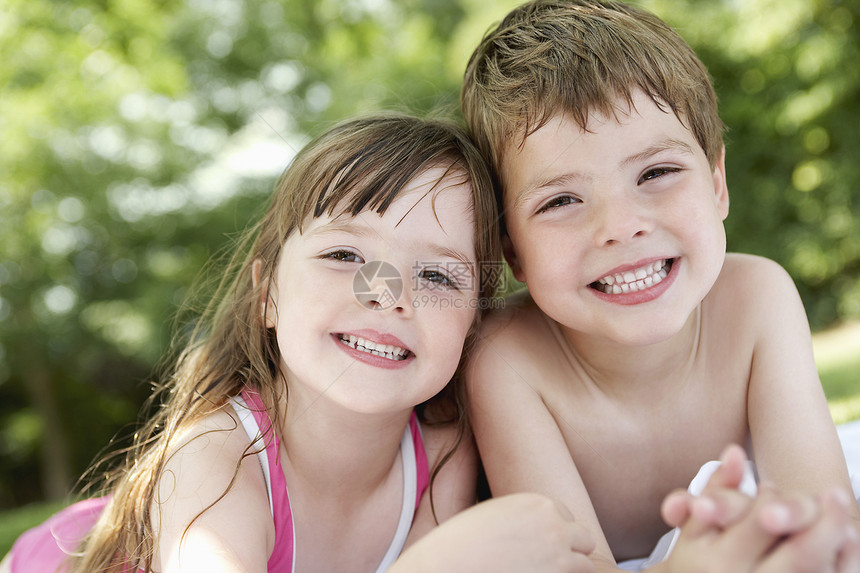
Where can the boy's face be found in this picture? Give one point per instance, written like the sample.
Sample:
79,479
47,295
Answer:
618,230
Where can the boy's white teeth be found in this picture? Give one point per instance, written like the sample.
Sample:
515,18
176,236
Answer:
632,281
364,345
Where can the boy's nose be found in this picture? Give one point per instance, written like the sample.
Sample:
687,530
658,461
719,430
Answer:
621,220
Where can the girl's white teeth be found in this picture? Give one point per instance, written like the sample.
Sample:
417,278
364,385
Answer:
635,280
384,350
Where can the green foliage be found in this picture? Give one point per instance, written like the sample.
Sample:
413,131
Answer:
138,136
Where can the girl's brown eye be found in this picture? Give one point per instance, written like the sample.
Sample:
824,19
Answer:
440,279
343,256
556,202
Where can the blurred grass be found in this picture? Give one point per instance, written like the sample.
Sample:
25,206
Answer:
837,353
15,521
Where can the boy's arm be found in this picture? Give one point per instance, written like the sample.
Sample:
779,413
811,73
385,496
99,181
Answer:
794,440
520,444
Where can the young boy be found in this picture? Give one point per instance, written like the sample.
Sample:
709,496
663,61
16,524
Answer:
641,349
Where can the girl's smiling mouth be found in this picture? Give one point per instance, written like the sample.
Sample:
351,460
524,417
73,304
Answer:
634,280
388,351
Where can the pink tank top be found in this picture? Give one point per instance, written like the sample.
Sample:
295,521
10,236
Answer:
46,547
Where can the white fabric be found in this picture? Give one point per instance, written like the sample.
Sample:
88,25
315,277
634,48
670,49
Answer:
407,511
246,418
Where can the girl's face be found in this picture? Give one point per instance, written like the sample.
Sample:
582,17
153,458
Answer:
371,311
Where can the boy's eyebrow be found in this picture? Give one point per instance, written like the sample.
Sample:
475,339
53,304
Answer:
556,181
669,144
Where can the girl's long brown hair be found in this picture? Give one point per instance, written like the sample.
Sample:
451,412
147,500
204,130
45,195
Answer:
359,165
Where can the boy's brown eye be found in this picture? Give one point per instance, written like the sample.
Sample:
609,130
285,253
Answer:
657,172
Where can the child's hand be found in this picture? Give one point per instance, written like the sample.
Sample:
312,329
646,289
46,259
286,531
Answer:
518,532
827,544
726,530
722,505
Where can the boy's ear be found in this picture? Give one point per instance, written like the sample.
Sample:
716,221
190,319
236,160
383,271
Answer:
511,257
267,308
721,189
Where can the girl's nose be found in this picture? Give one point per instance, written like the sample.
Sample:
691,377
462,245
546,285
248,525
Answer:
379,286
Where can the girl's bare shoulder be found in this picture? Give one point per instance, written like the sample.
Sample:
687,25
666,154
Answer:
202,461
211,481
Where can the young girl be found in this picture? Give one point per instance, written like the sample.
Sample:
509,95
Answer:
288,435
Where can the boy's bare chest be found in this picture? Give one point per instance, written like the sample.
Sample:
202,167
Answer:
631,451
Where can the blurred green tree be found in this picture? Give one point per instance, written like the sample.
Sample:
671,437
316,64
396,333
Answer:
138,136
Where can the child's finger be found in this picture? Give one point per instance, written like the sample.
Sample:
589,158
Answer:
747,538
731,471
817,548
789,514
581,540
722,507
849,558
675,508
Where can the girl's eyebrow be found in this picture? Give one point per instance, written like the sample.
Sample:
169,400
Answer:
448,253
352,227
343,225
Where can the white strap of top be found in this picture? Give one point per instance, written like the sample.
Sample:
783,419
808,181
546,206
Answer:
407,512
410,477
246,417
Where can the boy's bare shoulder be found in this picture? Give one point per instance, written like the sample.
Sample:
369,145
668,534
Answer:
519,320
750,290
744,263
750,279
519,332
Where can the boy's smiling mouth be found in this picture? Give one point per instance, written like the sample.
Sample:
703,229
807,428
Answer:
383,350
634,280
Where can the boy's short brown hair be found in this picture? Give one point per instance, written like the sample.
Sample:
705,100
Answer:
579,56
